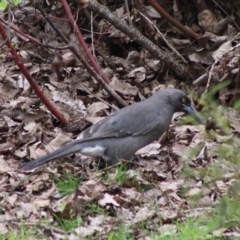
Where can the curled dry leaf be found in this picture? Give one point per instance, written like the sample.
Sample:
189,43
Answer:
193,192
139,74
89,230
150,150
224,48
123,87
95,111
60,140
222,187
207,20
143,214
108,200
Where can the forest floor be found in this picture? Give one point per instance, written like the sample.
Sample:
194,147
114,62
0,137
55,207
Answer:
184,186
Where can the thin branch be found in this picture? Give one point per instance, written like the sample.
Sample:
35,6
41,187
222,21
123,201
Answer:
89,68
177,67
174,22
83,43
128,13
30,79
34,40
230,17
164,39
149,28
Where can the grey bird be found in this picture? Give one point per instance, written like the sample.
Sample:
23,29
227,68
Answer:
120,135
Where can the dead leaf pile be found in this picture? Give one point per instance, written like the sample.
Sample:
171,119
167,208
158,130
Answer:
183,175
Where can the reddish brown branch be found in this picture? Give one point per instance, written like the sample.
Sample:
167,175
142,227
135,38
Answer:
83,43
177,67
34,40
30,79
174,22
93,72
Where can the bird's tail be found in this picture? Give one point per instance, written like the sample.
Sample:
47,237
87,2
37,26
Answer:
62,152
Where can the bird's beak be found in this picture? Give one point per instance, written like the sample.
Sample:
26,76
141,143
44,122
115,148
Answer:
192,111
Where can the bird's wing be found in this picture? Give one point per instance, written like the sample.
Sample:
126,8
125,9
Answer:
126,122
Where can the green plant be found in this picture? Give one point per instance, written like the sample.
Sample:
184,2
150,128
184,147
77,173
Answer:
4,3
228,212
21,233
121,172
94,209
67,184
121,232
69,224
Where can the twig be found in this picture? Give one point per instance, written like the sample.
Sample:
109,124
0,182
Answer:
83,61
34,40
91,93
83,43
178,68
128,13
236,25
174,22
30,79
149,28
164,39
202,79
210,76
216,61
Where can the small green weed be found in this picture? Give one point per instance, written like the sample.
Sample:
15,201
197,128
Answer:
67,184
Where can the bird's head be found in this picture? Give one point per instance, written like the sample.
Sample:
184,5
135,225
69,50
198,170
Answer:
182,103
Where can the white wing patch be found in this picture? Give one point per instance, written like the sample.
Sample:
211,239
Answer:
93,151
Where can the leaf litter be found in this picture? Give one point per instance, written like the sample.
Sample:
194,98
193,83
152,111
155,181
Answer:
168,176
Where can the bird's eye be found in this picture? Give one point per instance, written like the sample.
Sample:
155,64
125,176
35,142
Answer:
184,100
